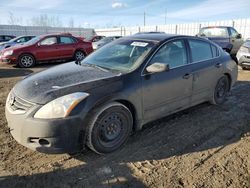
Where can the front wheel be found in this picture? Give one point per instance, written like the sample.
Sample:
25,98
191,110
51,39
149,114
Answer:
26,61
221,90
109,128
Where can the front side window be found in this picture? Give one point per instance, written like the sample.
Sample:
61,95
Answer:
49,41
66,40
214,32
200,50
8,38
173,53
120,55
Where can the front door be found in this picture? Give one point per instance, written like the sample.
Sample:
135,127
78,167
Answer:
168,91
47,49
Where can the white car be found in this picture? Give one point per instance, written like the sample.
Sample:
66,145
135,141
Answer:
243,55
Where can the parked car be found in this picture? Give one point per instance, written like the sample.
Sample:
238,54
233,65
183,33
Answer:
104,41
226,37
95,38
5,38
47,48
115,90
243,55
15,41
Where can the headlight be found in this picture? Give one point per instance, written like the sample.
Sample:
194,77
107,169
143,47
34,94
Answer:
60,107
8,52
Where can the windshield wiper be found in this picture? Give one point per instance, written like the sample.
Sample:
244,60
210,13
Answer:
97,66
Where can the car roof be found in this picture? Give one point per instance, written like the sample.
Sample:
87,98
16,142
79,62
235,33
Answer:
56,34
216,27
154,36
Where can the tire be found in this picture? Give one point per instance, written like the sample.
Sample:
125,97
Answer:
109,128
26,61
79,55
221,90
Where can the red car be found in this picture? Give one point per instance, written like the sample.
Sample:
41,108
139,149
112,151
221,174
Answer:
47,48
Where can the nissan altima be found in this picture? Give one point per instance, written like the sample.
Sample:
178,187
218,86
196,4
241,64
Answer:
99,101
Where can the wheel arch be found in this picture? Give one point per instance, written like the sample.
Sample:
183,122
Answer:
133,111
82,50
229,78
26,53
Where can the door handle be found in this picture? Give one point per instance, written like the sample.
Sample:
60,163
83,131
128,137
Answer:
187,76
218,65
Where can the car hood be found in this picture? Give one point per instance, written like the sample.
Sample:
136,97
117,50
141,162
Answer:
61,80
16,47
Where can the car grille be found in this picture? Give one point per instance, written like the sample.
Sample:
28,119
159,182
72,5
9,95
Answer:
17,103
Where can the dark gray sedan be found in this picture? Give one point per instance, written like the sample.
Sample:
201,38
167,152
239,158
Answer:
119,88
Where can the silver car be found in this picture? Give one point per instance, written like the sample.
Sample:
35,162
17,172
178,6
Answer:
243,55
104,41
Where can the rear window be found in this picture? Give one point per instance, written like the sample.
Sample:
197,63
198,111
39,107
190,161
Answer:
214,32
200,50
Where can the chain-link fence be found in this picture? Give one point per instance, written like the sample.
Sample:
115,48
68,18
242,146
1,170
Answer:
241,25
17,30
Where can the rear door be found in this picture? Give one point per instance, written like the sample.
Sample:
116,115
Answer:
169,91
67,46
205,67
47,49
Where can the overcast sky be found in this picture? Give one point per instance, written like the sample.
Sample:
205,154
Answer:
108,13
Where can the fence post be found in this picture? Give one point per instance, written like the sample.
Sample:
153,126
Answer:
233,23
156,28
139,29
176,29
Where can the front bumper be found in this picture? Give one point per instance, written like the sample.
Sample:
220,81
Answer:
47,136
8,59
244,59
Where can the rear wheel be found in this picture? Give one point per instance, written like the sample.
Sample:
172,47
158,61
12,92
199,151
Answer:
26,61
109,128
221,90
79,55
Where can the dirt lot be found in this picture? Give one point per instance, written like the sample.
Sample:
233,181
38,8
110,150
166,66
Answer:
205,146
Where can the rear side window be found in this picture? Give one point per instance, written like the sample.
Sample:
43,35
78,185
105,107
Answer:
66,40
215,51
200,50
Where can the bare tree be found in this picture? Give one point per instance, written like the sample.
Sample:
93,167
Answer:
45,20
71,22
14,20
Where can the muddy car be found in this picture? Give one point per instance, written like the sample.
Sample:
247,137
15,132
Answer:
99,101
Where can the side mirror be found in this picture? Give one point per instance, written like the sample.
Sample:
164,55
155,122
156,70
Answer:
239,36
157,67
38,44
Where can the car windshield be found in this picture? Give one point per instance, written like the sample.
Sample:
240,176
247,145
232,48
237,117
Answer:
214,32
33,40
121,55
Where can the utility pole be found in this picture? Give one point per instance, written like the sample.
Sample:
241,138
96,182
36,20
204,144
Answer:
165,16
144,18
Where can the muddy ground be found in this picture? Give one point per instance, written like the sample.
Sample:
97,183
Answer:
205,146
